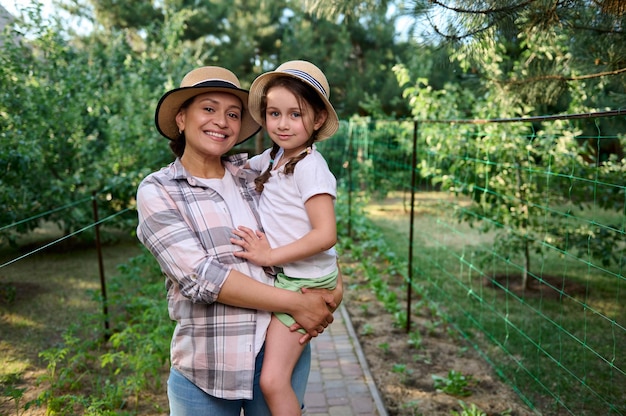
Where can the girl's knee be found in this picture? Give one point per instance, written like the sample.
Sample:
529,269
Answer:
272,385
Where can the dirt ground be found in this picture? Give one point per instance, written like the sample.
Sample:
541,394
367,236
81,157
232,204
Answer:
403,371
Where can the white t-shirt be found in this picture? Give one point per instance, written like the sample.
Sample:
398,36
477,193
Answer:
241,214
282,210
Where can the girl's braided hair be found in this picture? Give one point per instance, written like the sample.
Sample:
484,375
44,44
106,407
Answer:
304,94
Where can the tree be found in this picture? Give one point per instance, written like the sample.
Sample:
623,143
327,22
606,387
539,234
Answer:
76,117
527,181
546,48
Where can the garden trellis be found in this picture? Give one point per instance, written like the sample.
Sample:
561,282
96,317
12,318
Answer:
39,218
516,228
483,204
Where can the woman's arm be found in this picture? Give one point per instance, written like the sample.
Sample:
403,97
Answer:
311,310
165,231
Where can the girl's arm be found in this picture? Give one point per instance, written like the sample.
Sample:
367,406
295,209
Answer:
323,235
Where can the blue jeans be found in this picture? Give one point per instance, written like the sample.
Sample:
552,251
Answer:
186,399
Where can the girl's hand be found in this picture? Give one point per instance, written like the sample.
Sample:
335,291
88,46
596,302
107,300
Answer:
255,245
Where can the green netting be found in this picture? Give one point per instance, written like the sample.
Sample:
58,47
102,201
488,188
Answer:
518,234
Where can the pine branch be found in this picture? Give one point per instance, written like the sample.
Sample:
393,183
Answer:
566,79
503,10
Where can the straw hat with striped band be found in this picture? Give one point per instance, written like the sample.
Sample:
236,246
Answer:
307,73
196,82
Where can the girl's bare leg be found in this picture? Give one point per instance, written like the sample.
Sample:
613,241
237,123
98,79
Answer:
282,350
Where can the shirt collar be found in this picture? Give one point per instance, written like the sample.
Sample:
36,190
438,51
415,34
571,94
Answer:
233,163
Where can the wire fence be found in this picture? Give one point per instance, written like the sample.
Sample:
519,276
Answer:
515,227
56,241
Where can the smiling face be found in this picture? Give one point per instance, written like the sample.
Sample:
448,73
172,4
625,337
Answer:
211,123
290,122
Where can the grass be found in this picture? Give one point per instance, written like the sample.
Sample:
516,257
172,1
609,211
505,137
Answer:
42,296
49,283
559,346
561,349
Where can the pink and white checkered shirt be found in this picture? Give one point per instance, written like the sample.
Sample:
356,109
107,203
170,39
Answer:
187,226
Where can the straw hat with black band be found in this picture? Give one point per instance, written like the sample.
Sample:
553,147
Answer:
196,82
309,74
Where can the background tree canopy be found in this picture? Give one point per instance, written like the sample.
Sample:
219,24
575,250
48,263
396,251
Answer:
76,114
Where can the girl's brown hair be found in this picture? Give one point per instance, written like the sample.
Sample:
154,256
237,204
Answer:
304,94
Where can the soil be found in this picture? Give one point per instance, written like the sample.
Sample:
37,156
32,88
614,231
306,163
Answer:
403,371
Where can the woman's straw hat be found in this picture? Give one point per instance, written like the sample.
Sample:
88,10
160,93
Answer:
199,81
307,73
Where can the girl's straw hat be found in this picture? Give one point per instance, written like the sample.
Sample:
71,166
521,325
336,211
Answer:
307,73
199,81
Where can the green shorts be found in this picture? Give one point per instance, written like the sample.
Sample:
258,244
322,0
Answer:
296,284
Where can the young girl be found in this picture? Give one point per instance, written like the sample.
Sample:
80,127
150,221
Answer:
296,207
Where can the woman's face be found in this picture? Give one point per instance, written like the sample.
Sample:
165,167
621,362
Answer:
211,123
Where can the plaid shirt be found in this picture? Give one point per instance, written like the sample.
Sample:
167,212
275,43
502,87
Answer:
187,227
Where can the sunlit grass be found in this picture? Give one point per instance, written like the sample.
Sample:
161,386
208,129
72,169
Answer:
561,345
46,292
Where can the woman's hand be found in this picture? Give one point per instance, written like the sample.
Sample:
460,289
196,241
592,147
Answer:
255,245
332,298
312,313
336,293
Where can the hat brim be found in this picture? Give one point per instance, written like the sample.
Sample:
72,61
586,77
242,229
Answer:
170,103
328,129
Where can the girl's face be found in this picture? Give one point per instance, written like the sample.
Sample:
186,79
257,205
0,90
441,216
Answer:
290,122
211,124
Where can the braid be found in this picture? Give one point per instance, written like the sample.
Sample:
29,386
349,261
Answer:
265,176
291,165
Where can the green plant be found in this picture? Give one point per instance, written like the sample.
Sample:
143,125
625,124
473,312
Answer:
384,346
412,405
367,329
14,393
454,384
404,372
88,377
415,339
471,410
364,307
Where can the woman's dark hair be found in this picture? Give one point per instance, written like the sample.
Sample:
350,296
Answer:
304,94
177,145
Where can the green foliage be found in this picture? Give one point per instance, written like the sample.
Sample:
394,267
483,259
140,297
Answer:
9,389
471,410
518,175
454,384
85,375
539,55
366,330
76,117
404,372
415,339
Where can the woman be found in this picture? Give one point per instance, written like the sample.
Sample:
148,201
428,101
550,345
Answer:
220,302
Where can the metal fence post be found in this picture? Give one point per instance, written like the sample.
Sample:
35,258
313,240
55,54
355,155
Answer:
411,228
103,289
